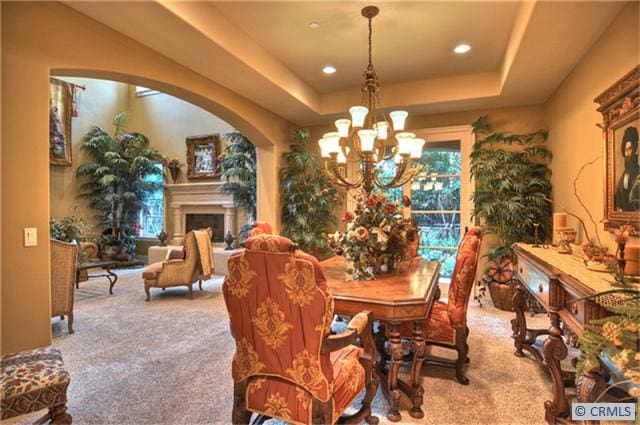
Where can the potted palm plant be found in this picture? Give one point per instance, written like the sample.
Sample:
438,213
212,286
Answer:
513,186
308,198
115,183
238,165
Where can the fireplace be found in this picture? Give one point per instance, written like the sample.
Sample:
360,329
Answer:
201,221
203,203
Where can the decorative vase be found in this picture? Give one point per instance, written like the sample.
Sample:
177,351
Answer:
228,239
162,236
175,171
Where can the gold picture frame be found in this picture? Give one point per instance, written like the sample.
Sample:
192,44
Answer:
60,112
620,108
202,156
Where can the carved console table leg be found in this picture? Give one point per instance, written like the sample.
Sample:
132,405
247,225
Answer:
590,386
554,352
524,338
419,349
395,348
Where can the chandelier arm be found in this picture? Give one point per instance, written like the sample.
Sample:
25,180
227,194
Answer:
332,165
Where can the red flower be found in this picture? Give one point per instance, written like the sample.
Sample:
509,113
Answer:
362,233
371,202
348,217
389,208
406,201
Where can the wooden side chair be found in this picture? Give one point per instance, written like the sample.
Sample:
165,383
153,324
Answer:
287,365
64,260
446,324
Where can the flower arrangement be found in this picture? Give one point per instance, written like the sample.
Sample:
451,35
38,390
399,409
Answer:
174,165
377,236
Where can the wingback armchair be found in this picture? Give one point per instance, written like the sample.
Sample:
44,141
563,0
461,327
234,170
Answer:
287,365
446,324
182,268
64,257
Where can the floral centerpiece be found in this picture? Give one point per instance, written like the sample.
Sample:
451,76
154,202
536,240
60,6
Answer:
377,235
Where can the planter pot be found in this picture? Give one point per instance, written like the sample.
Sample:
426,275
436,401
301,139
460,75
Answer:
502,295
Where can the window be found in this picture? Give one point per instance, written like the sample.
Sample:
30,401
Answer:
435,204
143,91
152,214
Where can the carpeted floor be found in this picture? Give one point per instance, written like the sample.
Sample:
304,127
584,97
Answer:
167,361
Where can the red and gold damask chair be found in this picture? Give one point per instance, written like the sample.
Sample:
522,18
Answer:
446,324
287,365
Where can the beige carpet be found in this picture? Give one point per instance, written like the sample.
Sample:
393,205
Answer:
167,361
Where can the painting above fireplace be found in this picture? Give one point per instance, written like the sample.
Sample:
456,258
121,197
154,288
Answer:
201,221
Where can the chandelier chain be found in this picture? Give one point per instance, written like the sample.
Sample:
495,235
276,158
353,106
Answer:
370,43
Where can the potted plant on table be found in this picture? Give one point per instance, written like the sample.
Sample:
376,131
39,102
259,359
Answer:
512,178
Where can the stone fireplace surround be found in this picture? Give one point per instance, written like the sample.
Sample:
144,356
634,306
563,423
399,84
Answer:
199,198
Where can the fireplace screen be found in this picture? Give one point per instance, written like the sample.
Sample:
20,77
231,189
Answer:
201,221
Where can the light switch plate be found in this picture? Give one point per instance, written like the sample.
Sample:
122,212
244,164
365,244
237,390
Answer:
30,236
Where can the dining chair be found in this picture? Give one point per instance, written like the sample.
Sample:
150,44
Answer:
446,323
287,364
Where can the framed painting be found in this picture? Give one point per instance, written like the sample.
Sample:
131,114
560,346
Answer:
620,108
60,111
202,156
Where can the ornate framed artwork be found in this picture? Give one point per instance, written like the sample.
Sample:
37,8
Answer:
202,156
60,111
620,108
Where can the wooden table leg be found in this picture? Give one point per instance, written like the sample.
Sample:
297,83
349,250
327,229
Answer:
419,349
524,338
395,348
554,352
113,278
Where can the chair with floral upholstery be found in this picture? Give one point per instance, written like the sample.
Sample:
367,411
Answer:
33,380
446,324
287,365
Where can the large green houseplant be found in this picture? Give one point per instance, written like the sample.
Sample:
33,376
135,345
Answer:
512,179
115,182
307,196
238,166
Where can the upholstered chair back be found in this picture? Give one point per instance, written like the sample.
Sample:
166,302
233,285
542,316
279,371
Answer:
281,309
63,276
463,276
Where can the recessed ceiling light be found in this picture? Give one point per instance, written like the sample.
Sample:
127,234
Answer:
329,69
314,24
462,48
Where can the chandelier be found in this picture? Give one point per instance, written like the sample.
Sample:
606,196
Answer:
371,138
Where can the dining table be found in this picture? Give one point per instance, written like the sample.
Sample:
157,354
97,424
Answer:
400,297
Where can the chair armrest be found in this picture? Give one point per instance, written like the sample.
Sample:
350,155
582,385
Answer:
359,326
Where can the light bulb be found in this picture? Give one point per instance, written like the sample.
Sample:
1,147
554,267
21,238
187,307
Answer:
332,141
367,139
433,176
358,114
416,148
343,127
415,186
324,153
381,127
438,185
405,141
428,186
398,118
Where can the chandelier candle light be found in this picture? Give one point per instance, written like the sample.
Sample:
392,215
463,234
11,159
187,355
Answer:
370,137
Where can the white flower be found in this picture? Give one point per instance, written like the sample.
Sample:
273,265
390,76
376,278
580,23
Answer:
382,236
349,226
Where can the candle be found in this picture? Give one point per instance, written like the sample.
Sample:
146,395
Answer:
559,220
632,256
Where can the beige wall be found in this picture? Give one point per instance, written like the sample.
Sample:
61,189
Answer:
35,46
97,105
572,117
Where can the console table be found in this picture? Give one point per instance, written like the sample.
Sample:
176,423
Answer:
555,280
404,295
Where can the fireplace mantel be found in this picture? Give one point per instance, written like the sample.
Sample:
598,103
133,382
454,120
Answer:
199,198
